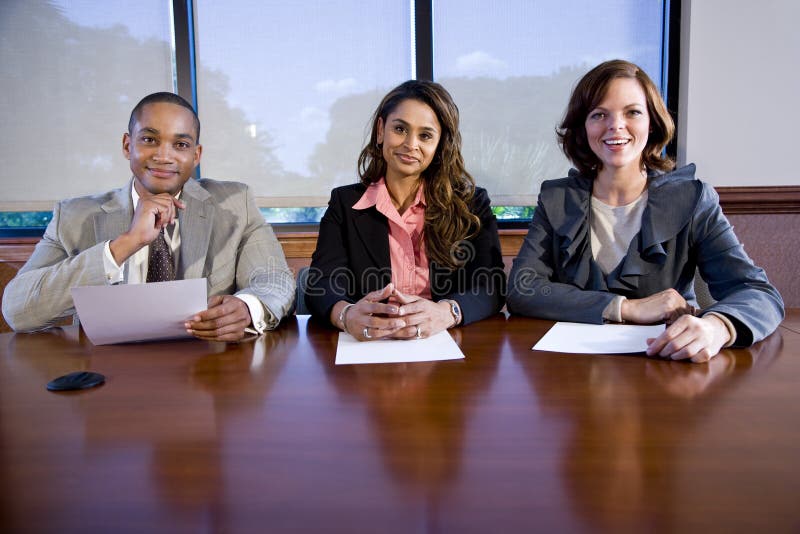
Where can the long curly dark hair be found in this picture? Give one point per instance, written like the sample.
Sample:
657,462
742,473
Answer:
449,188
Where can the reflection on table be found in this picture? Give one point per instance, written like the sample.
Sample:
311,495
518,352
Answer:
270,435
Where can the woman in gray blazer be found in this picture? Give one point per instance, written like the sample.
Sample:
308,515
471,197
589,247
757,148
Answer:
620,238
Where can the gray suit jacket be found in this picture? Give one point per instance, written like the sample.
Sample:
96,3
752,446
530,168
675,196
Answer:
683,228
223,238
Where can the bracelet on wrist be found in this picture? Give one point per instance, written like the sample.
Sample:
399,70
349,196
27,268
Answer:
343,316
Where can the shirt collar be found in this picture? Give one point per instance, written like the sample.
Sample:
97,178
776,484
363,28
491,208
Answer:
378,195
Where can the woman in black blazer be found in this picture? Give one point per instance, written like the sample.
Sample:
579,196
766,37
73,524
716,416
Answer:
412,249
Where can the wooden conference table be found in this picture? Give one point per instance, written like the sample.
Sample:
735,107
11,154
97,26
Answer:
271,436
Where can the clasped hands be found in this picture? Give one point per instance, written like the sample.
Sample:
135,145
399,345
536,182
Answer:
686,336
405,317
227,316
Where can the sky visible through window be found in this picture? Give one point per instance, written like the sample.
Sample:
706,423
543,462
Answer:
286,89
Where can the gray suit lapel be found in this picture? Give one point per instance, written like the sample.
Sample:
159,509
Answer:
570,221
115,215
196,223
670,207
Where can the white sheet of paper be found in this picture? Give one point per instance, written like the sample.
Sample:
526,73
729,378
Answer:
139,312
597,338
438,347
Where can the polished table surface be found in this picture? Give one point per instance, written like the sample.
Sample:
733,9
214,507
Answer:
270,436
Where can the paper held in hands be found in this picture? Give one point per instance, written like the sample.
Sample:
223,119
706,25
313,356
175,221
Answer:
598,338
139,312
437,347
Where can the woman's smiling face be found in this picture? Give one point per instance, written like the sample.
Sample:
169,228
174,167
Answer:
618,127
409,137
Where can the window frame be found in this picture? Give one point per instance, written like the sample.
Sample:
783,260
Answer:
185,81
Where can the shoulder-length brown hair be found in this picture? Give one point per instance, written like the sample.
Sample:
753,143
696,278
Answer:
449,188
588,94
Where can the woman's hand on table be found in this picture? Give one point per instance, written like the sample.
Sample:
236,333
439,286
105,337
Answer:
689,337
665,306
423,317
369,318
405,317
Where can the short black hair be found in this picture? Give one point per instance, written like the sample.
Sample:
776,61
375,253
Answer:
169,98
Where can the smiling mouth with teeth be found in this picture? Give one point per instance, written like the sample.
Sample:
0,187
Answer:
616,141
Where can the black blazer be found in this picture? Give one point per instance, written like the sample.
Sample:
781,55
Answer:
352,259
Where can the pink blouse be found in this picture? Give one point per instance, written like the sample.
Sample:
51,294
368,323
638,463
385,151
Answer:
410,271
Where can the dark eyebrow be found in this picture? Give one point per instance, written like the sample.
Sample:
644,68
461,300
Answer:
404,123
153,131
635,104
185,136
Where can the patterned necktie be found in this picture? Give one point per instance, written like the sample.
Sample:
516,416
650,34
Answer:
160,264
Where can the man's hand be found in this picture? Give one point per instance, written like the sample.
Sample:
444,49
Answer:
224,320
151,215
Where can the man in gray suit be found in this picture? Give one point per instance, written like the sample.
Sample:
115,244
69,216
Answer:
161,226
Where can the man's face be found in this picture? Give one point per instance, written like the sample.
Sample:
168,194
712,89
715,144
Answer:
162,148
